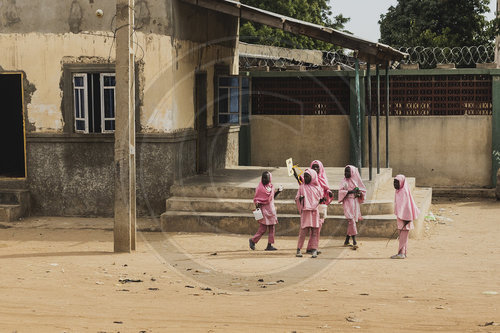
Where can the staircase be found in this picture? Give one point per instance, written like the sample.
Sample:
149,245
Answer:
14,200
222,204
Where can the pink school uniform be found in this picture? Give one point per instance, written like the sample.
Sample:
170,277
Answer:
405,209
323,183
308,209
264,195
351,204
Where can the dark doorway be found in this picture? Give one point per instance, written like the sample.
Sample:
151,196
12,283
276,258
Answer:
11,126
200,121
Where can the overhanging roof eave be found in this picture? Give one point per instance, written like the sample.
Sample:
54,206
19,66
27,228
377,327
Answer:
367,50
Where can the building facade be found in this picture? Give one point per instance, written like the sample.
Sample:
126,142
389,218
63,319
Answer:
57,81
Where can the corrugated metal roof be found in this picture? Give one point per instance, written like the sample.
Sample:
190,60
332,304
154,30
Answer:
372,52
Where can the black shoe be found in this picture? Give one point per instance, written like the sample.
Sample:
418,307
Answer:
270,248
314,254
252,244
310,251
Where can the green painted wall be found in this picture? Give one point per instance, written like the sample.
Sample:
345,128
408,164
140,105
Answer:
245,145
495,127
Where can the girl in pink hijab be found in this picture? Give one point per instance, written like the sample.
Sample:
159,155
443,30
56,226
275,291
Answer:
406,211
264,199
317,166
307,200
352,193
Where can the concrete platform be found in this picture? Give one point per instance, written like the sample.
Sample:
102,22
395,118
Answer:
222,203
240,182
287,206
244,223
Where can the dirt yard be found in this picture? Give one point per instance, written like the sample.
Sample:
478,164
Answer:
60,275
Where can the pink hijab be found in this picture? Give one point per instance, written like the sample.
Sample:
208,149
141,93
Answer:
312,192
323,180
264,194
352,183
404,205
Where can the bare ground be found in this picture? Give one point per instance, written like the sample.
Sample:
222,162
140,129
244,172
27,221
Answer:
60,275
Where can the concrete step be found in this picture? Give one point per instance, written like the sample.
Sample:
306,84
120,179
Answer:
9,213
15,203
13,196
244,223
386,189
13,183
460,192
288,206
240,182
228,192
245,190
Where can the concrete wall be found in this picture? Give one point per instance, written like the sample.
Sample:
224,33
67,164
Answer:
310,56
304,138
439,150
70,173
74,176
497,192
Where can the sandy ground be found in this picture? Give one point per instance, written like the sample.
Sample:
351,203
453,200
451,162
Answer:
60,275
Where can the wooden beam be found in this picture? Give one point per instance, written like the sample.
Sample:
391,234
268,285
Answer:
258,16
229,8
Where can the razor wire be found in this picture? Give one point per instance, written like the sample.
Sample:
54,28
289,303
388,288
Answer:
425,57
465,56
281,58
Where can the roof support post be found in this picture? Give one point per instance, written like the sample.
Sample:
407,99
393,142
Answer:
369,114
378,119
387,115
355,119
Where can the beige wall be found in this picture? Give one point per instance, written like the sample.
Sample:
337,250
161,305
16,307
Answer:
179,41
304,138
40,57
169,73
439,151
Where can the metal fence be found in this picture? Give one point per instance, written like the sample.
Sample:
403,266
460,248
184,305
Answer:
410,95
436,95
300,96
